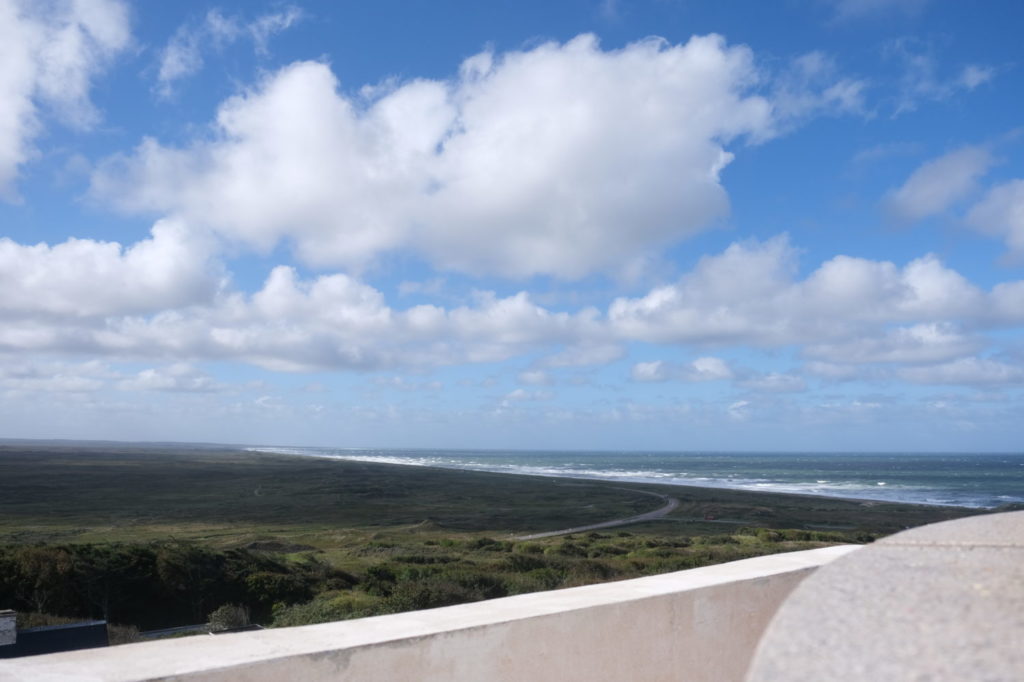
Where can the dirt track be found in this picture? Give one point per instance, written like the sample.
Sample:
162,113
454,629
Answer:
670,504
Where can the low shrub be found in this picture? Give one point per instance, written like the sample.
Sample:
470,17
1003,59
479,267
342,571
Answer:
227,617
327,607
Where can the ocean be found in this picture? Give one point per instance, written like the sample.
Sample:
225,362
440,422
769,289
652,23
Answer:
962,480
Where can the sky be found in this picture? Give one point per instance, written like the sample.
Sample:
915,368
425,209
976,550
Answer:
601,224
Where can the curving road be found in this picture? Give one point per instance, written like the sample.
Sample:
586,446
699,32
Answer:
670,505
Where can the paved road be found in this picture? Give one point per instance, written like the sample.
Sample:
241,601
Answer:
670,504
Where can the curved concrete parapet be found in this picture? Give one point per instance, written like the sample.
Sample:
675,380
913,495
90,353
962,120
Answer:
941,602
701,624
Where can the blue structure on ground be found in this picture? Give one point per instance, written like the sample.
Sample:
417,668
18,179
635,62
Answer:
53,638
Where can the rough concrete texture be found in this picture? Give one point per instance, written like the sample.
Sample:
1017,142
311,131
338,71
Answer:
701,624
992,530
942,602
8,631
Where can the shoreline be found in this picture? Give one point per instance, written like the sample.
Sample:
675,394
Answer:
101,494
724,485
394,461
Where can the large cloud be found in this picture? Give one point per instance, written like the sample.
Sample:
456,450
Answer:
750,295
330,322
50,51
84,278
563,159
160,300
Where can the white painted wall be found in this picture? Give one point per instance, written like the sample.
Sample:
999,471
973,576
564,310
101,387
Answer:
701,624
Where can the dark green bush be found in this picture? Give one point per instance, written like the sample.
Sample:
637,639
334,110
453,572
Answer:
327,607
520,563
379,580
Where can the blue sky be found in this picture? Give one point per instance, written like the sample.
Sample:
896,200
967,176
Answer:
587,225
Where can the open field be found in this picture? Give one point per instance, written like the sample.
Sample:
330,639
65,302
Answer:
300,539
107,494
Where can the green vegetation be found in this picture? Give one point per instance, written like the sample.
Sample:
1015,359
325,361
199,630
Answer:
155,585
151,537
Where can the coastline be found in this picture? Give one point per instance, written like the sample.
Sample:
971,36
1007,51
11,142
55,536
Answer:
88,493
891,495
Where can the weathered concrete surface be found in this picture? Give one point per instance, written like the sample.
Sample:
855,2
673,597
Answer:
8,627
990,530
941,602
701,624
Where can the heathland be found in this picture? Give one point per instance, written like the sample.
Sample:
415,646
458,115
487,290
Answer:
159,536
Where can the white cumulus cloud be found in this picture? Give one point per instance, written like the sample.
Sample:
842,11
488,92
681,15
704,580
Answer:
750,295
564,159
291,324
89,278
50,52
164,298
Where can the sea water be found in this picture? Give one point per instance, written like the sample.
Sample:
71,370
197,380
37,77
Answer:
963,480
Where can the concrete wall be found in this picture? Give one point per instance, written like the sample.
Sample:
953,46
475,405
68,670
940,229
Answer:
939,602
8,632
701,624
